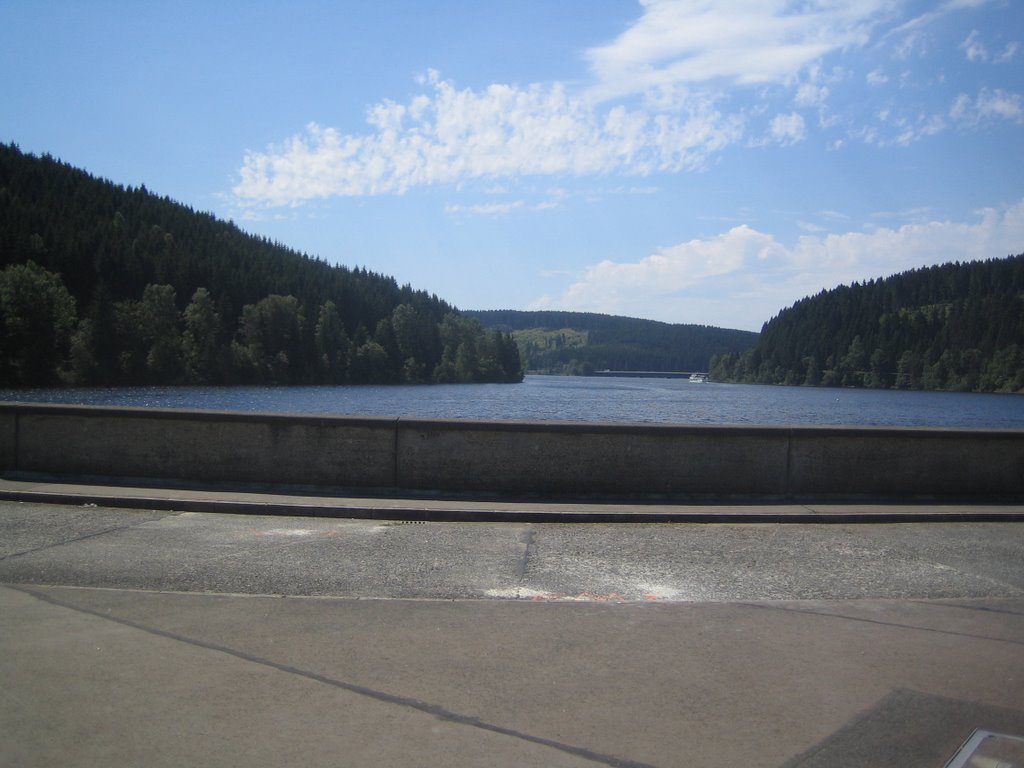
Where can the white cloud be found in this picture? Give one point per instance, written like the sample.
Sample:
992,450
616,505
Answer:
808,226
810,95
1009,53
898,129
916,44
918,215
957,5
746,41
485,209
930,16
788,129
640,287
877,77
989,104
668,94
973,48
834,215
743,277
501,132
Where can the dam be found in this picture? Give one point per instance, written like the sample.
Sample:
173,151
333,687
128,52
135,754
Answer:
511,458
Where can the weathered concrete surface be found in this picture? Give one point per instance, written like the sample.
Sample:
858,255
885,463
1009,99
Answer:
648,645
115,678
8,440
513,458
94,546
553,458
206,446
905,463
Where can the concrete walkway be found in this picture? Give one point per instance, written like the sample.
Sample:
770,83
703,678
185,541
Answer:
154,636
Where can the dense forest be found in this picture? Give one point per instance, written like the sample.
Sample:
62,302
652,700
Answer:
579,343
951,327
103,284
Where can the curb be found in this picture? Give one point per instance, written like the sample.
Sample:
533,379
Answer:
482,511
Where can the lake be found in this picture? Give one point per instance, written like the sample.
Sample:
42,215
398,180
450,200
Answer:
671,401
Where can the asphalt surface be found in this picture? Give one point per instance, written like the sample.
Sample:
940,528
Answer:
133,636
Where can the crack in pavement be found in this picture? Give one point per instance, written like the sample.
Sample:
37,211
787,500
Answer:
528,540
436,710
983,608
897,625
85,537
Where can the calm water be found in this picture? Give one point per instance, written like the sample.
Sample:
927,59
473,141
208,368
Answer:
674,401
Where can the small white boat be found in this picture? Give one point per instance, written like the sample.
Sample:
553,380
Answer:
698,378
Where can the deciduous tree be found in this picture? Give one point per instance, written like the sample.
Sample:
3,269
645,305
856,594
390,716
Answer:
37,317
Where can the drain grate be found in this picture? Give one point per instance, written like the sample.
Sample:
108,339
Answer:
985,749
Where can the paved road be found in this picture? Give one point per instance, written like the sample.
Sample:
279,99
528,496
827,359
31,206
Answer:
148,637
242,554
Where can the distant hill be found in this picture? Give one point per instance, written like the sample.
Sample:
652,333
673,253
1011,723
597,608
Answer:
957,327
583,342
105,284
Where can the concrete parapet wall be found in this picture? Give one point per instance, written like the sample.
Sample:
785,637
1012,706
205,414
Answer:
577,458
203,446
511,458
906,462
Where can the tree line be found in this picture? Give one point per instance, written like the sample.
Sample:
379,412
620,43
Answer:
102,284
582,342
957,326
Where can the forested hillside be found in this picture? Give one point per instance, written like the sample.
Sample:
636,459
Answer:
583,342
102,284
953,327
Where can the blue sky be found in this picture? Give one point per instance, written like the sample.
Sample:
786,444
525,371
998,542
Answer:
684,161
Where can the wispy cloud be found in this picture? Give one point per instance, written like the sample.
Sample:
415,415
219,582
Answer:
1009,53
447,135
930,16
677,44
743,277
877,77
973,48
685,81
811,95
988,105
788,129
808,226
452,135
976,51
485,209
